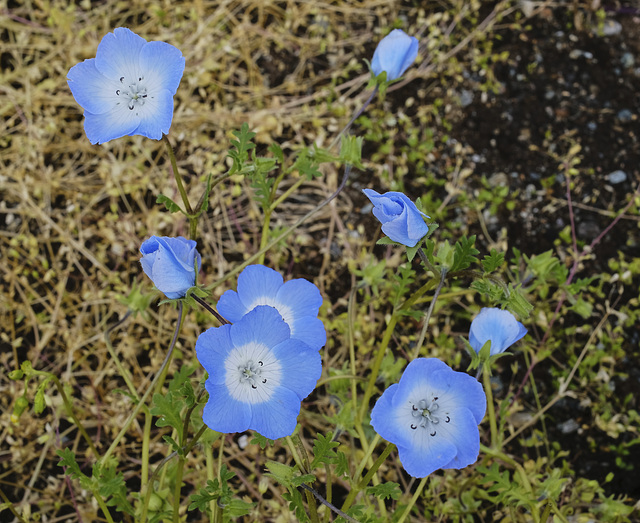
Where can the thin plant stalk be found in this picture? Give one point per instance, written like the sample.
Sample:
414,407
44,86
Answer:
427,317
491,413
355,490
193,221
414,498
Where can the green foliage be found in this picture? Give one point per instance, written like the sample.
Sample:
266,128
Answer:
465,253
493,261
239,153
105,480
221,493
388,490
169,203
324,450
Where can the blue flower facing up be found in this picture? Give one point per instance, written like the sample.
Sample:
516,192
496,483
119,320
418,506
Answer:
170,263
298,302
258,374
394,54
128,87
432,416
498,326
401,220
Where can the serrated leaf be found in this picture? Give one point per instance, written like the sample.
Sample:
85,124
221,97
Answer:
464,254
168,203
493,261
385,490
259,439
296,481
168,412
342,464
282,473
276,150
323,450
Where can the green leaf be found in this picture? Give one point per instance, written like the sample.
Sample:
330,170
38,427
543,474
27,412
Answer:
169,203
303,478
386,490
111,485
323,450
204,496
168,411
342,465
351,150
236,508
259,439
465,253
276,150
282,473
38,400
239,153
493,261
517,303
385,240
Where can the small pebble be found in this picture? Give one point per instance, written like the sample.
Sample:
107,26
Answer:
616,177
569,426
627,60
625,115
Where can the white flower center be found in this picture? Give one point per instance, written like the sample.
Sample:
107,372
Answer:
423,414
133,92
252,373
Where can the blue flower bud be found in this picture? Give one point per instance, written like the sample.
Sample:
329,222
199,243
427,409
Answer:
394,54
495,325
170,263
401,220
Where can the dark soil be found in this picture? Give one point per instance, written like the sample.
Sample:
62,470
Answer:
561,86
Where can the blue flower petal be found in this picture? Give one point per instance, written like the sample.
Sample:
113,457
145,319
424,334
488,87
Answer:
465,437
222,413
277,417
230,306
155,119
310,330
459,392
433,454
301,296
293,356
169,263
93,91
118,122
118,54
257,283
394,54
212,348
162,64
499,326
263,325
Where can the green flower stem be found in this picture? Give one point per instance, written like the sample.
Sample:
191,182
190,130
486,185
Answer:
368,451
208,454
284,235
103,506
264,236
186,450
427,317
286,194
486,382
304,468
157,381
427,263
193,221
146,437
364,405
365,481
352,351
414,498
377,363
178,489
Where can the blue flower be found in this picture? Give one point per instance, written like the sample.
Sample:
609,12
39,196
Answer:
297,301
401,220
394,54
258,374
497,325
432,416
170,263
128,87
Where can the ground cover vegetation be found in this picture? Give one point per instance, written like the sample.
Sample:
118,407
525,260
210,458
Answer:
257,281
